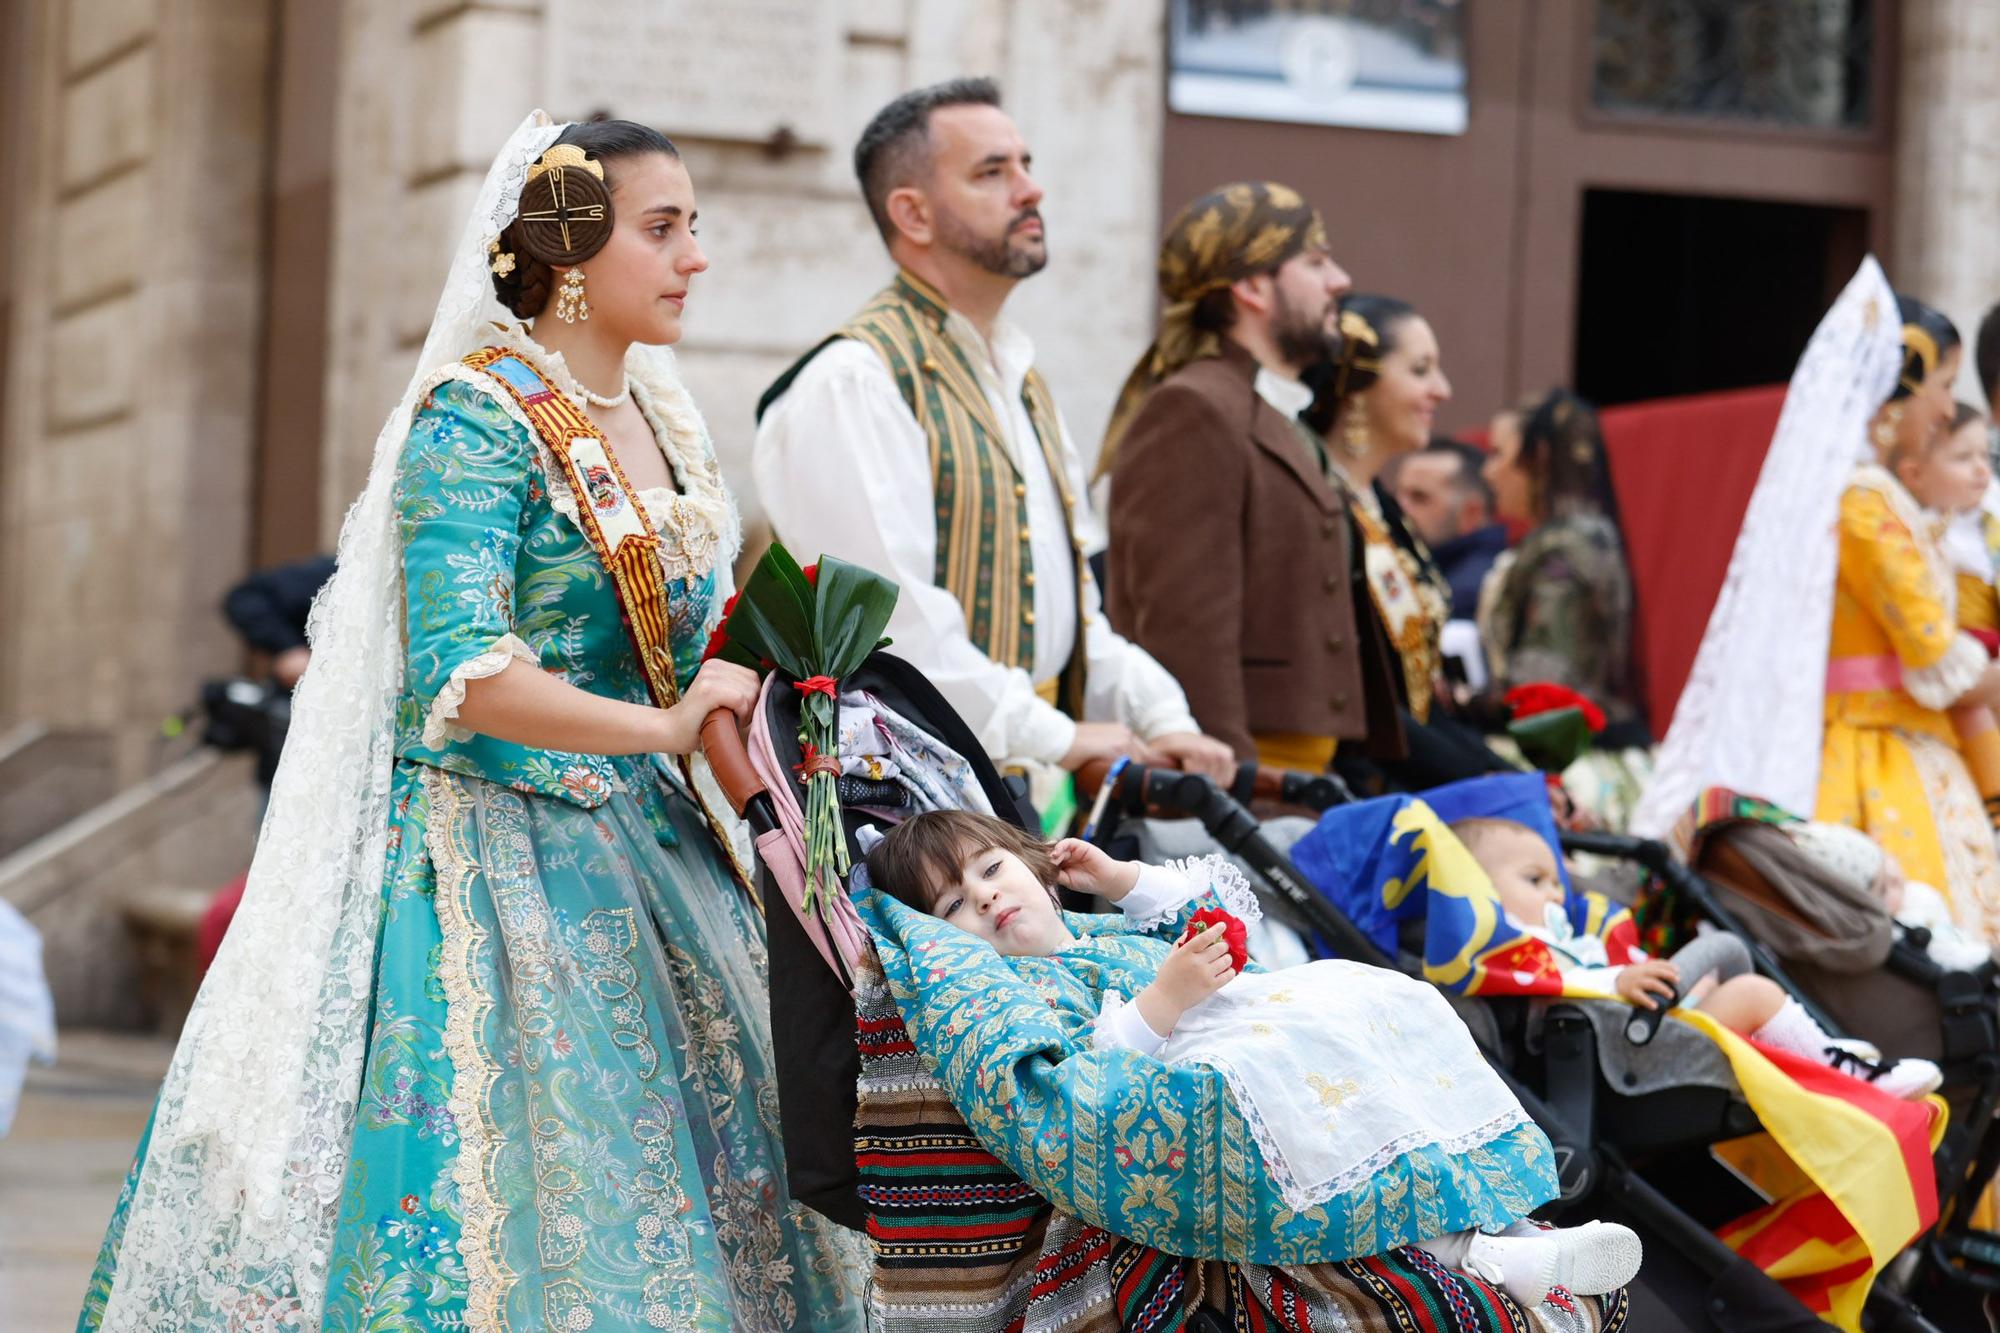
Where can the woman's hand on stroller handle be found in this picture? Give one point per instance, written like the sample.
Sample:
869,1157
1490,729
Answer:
718,686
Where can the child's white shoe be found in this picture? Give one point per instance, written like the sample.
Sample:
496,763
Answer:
1866,1050
1589,1260
1908,1079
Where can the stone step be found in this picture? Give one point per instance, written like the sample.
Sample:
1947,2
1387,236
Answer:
163,920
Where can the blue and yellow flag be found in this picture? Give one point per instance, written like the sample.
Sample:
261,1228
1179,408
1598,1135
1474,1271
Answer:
1393,860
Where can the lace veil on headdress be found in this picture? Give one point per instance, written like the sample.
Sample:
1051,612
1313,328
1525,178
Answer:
232,1220
1751,715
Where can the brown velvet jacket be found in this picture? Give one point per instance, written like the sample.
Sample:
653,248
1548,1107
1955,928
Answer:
1231,563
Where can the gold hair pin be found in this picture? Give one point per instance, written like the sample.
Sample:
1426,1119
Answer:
502,262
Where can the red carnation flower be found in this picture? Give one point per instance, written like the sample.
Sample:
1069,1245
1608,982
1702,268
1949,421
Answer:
826,685
1547,697
1233,930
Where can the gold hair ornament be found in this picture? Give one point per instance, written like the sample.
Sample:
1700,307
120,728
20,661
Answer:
502,262
557,163
1924,347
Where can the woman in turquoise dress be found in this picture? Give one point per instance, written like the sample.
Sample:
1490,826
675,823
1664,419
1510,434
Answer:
519,1077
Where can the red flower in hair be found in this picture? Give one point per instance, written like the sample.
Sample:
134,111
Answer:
1547,697
826,685
1233,930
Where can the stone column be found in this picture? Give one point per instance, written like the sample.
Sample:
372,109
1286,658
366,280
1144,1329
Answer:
1948,163
131,360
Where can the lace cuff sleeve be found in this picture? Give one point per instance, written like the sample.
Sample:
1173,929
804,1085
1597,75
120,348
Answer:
1940,684
1165,893
439,728
1120,1027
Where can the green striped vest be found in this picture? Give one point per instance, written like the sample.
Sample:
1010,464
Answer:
983,555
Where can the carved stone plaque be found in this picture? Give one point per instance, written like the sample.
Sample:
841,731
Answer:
738,70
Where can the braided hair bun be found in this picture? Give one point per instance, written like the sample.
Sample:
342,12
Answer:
565,214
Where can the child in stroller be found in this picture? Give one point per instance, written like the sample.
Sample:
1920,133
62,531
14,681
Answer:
1713,973
1338,1064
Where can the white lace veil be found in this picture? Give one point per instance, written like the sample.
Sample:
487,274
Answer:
233,1217
1750,717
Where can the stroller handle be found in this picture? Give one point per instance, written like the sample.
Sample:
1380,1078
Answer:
1253,782
730,762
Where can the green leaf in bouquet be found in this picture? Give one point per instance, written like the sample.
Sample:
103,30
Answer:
773,616
732,651
821,710
850,613
1554,740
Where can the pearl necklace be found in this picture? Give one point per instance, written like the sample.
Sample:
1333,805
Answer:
567,381
618,399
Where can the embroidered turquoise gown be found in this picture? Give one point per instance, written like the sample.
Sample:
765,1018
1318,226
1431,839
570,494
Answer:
568,1119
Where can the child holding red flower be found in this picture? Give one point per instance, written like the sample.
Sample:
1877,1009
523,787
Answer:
1340,1067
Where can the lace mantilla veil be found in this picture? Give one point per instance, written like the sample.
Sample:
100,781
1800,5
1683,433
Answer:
232,1221
1751,715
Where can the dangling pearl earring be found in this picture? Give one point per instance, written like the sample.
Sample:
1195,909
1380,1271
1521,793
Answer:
571,304
1354,435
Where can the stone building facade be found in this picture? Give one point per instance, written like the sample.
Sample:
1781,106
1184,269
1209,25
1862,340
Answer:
229,223
226,222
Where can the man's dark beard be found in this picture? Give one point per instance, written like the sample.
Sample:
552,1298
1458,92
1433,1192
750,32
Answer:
992,253
1303,340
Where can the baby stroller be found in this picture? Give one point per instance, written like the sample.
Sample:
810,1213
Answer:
872,1142
1612,1142
1744,870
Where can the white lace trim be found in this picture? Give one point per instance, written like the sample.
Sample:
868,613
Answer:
1940,684
1213,871
1300,1195
439,727
472,1076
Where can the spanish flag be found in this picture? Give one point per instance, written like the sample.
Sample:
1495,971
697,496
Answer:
1848,1170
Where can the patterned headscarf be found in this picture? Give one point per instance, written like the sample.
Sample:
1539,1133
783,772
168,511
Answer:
1230,233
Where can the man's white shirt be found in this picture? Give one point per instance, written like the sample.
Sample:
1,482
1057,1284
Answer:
843,469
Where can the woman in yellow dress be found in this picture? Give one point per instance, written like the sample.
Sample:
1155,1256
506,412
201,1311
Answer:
1890,762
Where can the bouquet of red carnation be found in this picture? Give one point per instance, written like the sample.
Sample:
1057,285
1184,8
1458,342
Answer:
1233,930
815,630
1552,723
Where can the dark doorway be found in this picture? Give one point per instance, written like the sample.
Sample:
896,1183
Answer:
1689,294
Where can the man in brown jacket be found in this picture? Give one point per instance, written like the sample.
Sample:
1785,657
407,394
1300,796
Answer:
1230,555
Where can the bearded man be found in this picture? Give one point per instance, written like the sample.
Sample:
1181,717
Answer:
1232,555
920,442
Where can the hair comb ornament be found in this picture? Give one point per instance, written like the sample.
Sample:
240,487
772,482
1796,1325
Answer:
563,157
502,261
565,215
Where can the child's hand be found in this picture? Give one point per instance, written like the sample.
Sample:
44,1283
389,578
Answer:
1084,867
1640,982
1198,967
